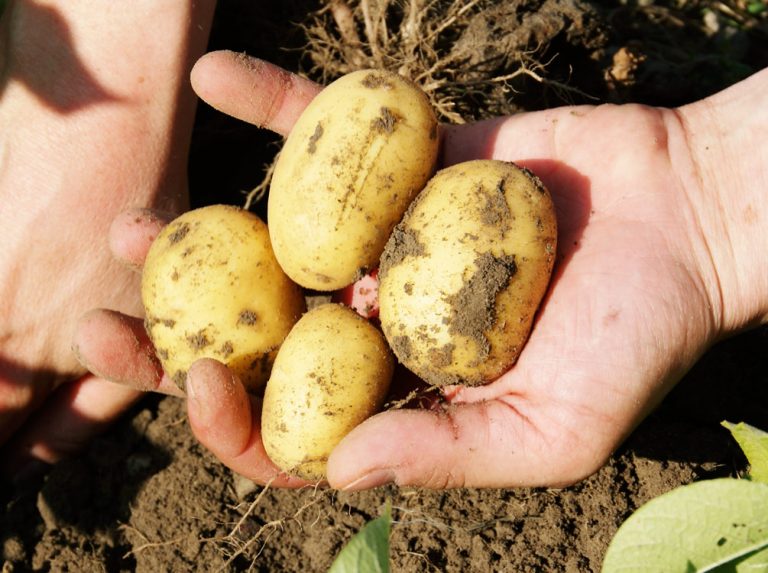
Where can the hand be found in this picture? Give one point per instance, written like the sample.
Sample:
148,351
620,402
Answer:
644,283
94,119
223,416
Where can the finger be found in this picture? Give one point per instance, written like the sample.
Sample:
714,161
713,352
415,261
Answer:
487,444
117,348
518,138
74,414
252,90
132,233
227,420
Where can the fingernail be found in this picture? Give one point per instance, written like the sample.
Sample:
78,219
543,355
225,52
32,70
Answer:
202,404
189,388
372,479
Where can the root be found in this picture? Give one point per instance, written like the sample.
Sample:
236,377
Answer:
238,546
422,398
436,43
259,192
147,543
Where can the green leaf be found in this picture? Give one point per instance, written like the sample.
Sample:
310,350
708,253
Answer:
754,443
368,550
718,525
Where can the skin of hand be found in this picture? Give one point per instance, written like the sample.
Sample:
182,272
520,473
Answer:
660,216
95,118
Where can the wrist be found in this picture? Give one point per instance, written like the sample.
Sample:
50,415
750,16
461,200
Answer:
728,150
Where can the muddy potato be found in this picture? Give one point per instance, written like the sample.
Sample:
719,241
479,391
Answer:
464,272
353,162
332,372
212,288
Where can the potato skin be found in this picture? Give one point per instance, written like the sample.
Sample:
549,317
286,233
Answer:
464,272
212,288
359,153
332,372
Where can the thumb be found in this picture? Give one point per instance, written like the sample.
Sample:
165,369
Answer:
485,444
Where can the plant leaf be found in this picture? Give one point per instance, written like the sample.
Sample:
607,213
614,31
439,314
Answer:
718,525
368,550
754,444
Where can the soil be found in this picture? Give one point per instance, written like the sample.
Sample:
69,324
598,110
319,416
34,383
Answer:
146,497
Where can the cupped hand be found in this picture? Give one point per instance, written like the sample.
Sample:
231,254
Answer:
633,303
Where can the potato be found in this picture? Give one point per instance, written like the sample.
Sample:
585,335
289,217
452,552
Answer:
353,162
212,288
332,372
464,272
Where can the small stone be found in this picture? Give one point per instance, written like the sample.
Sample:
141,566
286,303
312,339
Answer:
243,486
13,550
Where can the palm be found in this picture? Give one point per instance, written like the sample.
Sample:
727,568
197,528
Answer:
622,321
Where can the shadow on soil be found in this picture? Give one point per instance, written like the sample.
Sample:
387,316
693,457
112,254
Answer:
730,383
89,493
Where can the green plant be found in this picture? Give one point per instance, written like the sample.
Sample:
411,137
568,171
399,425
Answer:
368,550
719,525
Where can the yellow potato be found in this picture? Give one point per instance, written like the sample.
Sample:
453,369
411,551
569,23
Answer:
464,272
332,372
212,288
353,162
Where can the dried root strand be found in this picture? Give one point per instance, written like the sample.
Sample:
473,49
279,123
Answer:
419,40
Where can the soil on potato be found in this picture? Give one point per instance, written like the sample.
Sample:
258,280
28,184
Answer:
146,497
